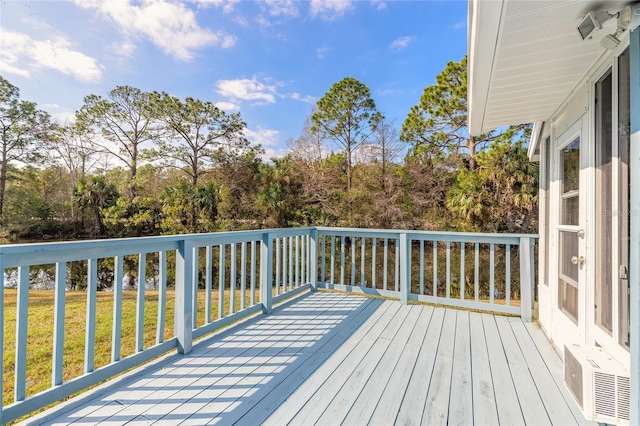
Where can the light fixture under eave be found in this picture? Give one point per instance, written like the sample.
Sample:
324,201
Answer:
591,23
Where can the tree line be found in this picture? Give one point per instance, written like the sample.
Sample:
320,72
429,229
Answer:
138,163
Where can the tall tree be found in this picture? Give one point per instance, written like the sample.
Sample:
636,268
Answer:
280,195
22,125
347,115
96,194
72,146
502,194
437,126
195,133
125,120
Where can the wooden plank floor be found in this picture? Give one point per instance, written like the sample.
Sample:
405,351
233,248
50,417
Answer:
331,359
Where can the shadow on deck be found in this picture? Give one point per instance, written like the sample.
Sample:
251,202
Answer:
328,358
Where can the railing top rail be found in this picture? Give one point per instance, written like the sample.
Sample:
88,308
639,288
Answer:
45,253
429,235
52,252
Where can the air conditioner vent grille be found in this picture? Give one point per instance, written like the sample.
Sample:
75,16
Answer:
605,394
593,363
624,389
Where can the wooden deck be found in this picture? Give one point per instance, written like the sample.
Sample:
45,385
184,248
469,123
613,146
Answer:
329,359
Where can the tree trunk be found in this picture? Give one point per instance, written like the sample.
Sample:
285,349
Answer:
472,154
3,179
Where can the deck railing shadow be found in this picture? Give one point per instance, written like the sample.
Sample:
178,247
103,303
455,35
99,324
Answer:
244,373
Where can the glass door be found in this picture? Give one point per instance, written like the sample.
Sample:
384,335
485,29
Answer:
570,167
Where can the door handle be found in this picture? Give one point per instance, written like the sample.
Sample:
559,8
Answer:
577,260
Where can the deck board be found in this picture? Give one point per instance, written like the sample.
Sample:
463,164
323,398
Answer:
327,358
485,411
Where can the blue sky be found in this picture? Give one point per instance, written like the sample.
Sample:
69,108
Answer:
271,60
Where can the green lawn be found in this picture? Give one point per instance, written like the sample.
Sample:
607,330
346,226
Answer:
40,332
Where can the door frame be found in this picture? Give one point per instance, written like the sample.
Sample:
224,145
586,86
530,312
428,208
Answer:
565,330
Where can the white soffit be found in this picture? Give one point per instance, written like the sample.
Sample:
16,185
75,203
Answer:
525,56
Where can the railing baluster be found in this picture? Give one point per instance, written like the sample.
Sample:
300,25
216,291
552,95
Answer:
221,280
296,261
397,265
507,278
462,283
183,296
232,280
342,248
118,275
58,323
323,266
207,284
373,262
313,254
435,268
385,259
492,277
285,264
162,295
363,241
476,274
291,263
243,276
277,249
448,269
303,260
195,259
253,273
142,272
266,268
421,266
90,335
333,259
22,317
526,278
353,261
404,251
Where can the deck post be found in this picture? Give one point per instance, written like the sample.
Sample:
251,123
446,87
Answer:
266,272
634,252
313,254
183,296
405,268
526,278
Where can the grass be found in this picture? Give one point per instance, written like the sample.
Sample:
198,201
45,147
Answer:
40,332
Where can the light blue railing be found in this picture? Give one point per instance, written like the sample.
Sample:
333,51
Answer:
250,271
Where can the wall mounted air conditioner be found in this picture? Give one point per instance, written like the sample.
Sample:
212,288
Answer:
598,383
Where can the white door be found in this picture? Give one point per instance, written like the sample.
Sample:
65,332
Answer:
570,167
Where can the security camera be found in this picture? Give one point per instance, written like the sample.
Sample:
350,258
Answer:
629,17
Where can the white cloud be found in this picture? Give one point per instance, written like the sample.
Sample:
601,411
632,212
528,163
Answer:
281,7
227,106
29,54
330,9
226,5
247,89
66,118
400,43
268,138
322,51
10,69
170,26
308,99
379,4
